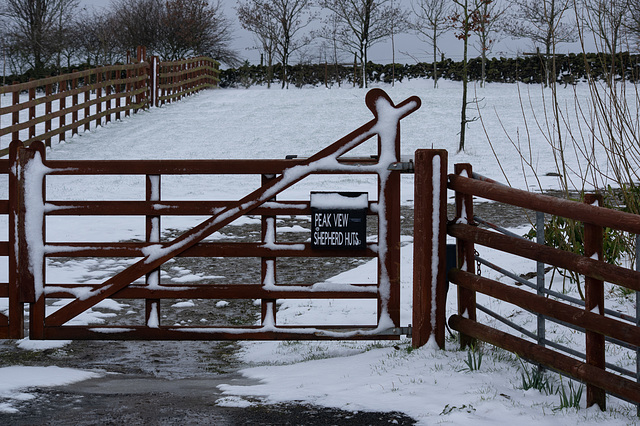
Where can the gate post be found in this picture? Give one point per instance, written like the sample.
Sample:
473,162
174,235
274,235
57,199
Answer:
594,302
27,224
16,307
465,254
429,247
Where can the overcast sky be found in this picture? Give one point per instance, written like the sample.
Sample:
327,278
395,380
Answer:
408,47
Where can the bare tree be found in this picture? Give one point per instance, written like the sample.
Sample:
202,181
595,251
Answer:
98,37
175,29
632,23
606,20
488,21
465,22
291,16
542,21
363,23
196,27
431,20
138,23
34,28
253,17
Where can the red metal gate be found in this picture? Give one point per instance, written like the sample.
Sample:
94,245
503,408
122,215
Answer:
28,248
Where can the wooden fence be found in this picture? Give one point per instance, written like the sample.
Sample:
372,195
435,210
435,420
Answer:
178,79
55,106
592,318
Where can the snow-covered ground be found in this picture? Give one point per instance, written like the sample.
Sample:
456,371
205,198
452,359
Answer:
429,385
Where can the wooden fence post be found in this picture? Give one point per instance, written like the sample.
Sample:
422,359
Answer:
86,100
32,111
465,254
74,103
594,302
47,111
15,116
117,87
107,92
429,247
140,53
98,97
127,89
62,106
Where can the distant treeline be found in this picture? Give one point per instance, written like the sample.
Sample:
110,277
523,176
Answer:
570,69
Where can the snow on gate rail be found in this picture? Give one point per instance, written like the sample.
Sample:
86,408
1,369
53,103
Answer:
28,249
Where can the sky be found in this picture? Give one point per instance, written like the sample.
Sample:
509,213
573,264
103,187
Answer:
408,48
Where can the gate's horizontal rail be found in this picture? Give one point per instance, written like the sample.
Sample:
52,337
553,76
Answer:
172,208
180,167
279,249
549,307
282,332
189,167
225,291
531,351
544,203
583,265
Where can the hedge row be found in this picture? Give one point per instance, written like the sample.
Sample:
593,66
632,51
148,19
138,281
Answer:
530,69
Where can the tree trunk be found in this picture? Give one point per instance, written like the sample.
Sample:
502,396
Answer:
435,64
463,114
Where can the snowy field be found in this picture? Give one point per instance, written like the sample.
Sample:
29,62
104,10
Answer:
430,385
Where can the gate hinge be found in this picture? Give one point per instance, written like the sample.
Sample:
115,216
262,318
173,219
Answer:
405,166
399,331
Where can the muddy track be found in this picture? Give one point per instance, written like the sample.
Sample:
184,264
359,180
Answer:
167,382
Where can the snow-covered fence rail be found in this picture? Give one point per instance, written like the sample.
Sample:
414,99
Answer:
593,318
29,250
54,106
178,79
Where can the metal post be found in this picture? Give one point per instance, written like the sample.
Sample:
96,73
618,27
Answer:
465,255
540,275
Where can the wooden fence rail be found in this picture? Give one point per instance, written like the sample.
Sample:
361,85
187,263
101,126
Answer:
58,105
590,318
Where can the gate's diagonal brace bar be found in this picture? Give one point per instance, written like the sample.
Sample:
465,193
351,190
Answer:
385,124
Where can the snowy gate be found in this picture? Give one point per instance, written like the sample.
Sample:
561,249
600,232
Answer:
601,326
28,249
